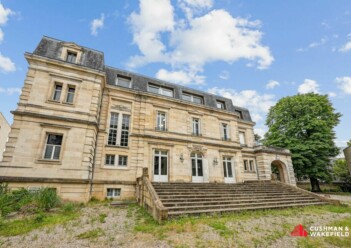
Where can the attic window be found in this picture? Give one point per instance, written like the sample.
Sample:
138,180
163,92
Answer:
160,90
220,104
193,98
240,113
123,81
71,57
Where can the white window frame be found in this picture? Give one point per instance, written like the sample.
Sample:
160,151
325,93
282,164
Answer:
69,52
160,90
70,93
192,98
227,131
222,104
252,166
123,79
54,92
242,138
194,125
54,147
118,164
159,115
116,160
119,128
116,192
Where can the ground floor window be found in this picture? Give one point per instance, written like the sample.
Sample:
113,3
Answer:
113,192
227,167
113,160
53,146
249,165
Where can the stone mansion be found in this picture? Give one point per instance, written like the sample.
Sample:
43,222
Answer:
88,130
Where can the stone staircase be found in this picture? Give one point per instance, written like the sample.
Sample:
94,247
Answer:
198,198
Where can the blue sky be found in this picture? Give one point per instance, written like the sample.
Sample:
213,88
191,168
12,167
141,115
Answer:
254,52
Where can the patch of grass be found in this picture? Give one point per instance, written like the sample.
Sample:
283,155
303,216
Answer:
92,234
328,241
102,217
17,227
222,229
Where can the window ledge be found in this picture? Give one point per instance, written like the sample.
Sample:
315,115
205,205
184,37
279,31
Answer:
251,172
117,146
68,103
49,161
115,167
53,101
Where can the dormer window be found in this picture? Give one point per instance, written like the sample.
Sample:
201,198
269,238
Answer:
240,113
160,90
193,98
71,57
123,81
220,104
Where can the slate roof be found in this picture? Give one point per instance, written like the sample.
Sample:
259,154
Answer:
52,48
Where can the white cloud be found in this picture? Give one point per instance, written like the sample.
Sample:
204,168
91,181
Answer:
180,77
308,86
192,7
314,44
224,75
97,24
188,44
257,104
6,65
4,16
10,91
331,94
272,84
260,131
344,83
345,48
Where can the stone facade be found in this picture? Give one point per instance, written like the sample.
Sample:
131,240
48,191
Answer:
4,133
88,130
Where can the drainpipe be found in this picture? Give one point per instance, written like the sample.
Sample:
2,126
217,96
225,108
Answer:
96,141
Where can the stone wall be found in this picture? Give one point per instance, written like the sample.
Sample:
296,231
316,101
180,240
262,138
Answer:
4,133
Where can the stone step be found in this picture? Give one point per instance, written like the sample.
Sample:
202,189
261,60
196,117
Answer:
219,191
199,199
235,209
220,202
237,205
165,197
232,194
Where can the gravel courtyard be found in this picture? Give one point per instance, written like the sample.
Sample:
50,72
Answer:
100,225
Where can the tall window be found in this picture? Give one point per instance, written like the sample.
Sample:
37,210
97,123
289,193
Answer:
227,167
196,127
160,90
220,104
225,131
193,98
242,138
71,57
249,165
53,147
57,92
246,165
123,81
161,121
119,129
70,94
196,165
252,165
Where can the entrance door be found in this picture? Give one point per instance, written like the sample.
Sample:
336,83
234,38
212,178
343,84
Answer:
160,166
197,168
228,170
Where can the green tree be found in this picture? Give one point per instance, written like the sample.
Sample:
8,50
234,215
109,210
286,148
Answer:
304,124
349,143
341,171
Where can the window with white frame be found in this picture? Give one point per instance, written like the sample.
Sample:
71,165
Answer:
122,160
57,92
192,98
53,146
225,131
160,90
113,160
71,57
113,192
220,104
242,138
123,81
119,129
161,121
70,94
249,165
196,127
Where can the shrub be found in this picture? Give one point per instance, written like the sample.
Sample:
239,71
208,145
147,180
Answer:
47,199
69,207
